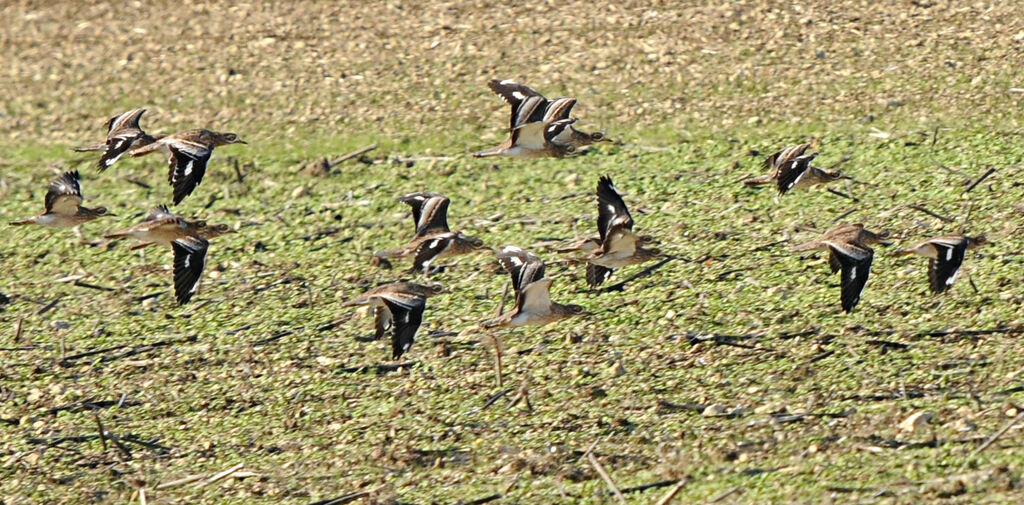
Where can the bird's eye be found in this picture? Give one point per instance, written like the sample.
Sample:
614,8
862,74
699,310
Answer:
570,149
597,137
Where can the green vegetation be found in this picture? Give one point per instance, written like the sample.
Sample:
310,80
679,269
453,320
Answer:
250,374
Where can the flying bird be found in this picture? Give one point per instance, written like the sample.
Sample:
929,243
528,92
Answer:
538,127
849,251
398,307
64,205
533,300
616,245
790,168
945,256
123,135
189,240
432,239
188,152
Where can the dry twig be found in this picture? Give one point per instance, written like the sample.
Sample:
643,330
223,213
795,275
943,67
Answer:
607,478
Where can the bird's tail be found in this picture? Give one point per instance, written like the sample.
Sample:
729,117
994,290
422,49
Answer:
22,222
117,234
809,246
146,149
486,154
757,181
90,148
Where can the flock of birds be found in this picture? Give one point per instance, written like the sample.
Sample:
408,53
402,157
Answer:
538,127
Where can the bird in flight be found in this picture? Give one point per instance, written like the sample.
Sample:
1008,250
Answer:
189,153
538,127
64,205
123,135
398,307
945,256
849,251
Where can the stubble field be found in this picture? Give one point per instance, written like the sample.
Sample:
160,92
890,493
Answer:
265,376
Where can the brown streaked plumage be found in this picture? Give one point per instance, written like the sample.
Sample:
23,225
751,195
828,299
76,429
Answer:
161,226
123,135
64,205
533,300
444,245
791,168
433,239
189,152
945,256
849,251
616,245
189,240
538,127
397,306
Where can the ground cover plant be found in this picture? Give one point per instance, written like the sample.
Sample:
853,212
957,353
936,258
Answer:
729,372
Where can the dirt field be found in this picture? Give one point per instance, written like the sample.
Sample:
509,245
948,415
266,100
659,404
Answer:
729,372
402,69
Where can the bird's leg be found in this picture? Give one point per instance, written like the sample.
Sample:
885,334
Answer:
501,302
970,280
496,343
497,360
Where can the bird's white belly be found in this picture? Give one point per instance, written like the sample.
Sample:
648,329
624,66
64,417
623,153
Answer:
927,251
614,260
524,319
523,152
55,221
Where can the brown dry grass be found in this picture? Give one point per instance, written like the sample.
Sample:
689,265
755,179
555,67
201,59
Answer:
403,68
228,387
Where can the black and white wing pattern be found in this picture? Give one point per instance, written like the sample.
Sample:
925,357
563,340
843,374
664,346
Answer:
784,156
943,269
158,213
597,274
189,261
558,132
529,106
406,316
855,263
123,133
187,165
524,267
64,194
611,209
559,109
791,171
382,322
398,307
429,211
430,249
